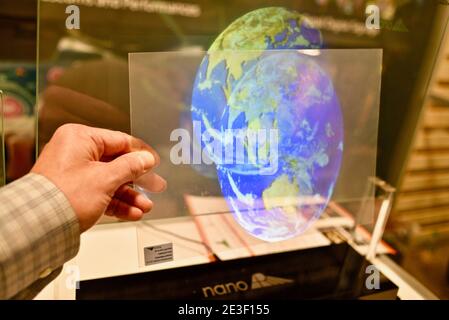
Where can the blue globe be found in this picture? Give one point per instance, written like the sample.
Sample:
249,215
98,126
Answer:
278,185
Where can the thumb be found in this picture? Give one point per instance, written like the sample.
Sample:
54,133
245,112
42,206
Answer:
129,167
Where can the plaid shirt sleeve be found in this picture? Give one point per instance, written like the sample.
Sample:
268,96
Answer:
39,231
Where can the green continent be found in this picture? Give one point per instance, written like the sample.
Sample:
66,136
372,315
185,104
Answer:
249,31
248,35
282,194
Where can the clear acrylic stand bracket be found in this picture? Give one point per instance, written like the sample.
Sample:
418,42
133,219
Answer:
383,197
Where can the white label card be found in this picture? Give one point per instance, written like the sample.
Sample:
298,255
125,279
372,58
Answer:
158,254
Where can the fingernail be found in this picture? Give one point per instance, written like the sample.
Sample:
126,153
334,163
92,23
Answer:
163,184
148,207
147,158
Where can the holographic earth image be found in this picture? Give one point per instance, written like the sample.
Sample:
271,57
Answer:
248,82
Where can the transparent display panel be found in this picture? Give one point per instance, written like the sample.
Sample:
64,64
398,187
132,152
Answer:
260,146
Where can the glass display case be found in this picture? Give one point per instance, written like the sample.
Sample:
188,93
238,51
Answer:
266,120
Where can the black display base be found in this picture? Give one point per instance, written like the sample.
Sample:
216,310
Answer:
332,272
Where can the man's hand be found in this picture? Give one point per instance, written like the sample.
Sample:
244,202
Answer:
93,168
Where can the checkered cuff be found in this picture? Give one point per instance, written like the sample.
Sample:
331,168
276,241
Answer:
39,231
